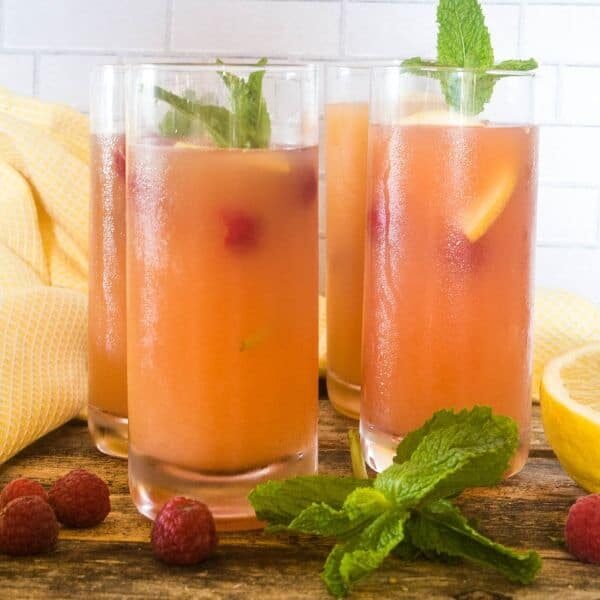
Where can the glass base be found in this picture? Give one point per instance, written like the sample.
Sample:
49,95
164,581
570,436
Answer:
379,450
152,483
344,396
109,432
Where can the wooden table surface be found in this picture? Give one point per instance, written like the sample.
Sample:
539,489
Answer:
114,560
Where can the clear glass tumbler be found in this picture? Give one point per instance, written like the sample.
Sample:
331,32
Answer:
107,330
347,88
449,252
222,282
346,128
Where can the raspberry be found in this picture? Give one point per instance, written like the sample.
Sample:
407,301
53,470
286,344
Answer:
80,499
242,229
184,532
309,186
28,525
119,162
21,487
582,531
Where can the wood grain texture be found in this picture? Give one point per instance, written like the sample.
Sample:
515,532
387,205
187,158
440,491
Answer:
114,559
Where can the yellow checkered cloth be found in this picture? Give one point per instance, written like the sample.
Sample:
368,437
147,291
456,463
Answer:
44,191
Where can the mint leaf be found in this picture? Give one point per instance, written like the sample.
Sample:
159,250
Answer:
360,507
280,502
464,42
439,527
403,509
365,502
252,123
451,452
331,575
463,38
216,119
362,554
321,519
246,125
517,65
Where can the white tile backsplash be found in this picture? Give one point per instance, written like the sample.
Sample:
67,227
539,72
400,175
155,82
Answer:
580,95
65,78
85,24
568,215
47,47
570,155
545,32
257,27
384,29
571,268
16,72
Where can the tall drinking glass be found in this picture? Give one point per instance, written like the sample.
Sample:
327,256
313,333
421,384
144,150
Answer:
448,272
107,331
222,282
346,128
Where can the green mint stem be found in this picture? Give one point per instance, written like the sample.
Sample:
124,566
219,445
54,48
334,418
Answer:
359,469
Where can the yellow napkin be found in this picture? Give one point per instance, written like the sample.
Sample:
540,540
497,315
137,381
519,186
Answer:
44,175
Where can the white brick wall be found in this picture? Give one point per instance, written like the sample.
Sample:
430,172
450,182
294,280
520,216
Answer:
48,46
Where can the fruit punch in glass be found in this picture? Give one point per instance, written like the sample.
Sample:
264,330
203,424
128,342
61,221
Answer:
222,280
107,393
346,128
448,274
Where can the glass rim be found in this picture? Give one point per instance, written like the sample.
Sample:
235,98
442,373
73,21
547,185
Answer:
109,67
203,66
362,63
443,69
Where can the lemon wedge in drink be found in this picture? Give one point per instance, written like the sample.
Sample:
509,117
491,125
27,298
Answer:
570,399
489,201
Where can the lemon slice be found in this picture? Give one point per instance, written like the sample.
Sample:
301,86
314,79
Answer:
489,201
570,399
322,335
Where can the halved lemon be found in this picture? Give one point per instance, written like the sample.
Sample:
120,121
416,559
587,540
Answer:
570,399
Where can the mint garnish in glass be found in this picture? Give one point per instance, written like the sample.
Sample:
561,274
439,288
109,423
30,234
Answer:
246,124
464,42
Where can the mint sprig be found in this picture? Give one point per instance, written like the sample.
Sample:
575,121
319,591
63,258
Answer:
246,124
406,509
464,41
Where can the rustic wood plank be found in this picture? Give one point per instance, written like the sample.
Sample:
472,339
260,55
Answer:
114,559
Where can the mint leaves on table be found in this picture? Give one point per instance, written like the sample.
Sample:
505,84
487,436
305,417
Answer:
406,509
246,124
464,41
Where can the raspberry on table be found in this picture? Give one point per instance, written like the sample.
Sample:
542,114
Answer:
582,531
21,487
184,532
80,499
28,525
